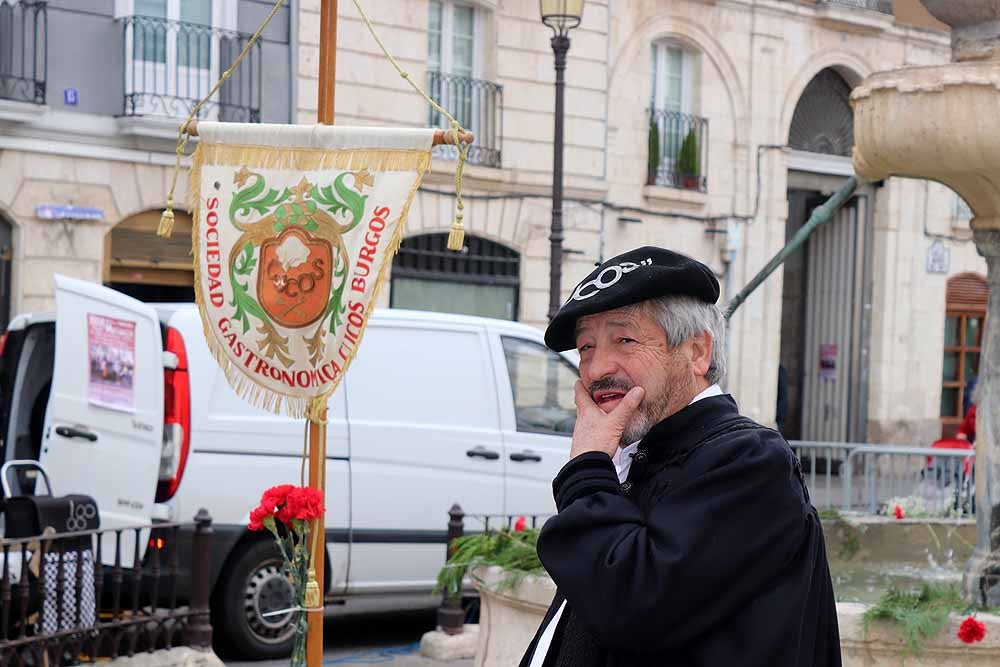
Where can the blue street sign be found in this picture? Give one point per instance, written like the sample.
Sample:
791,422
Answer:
71,96
67,212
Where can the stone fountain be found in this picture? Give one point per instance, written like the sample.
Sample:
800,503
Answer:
942,123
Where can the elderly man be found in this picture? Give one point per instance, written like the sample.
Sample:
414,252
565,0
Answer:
684,535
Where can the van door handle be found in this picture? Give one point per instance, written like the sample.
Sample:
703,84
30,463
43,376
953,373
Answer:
525,456
73,432
482,453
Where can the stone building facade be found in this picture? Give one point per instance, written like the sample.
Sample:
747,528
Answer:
710,126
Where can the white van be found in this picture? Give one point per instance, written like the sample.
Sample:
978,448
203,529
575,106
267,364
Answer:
436,409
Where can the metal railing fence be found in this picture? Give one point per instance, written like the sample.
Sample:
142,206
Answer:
61,605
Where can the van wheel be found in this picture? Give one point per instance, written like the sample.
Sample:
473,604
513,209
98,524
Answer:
253,586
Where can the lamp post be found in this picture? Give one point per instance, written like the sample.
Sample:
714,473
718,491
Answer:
562,16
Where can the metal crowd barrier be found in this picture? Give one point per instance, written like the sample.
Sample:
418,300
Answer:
862,477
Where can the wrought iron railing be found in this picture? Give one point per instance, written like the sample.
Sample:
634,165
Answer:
171,65
23,51
94,595
678,150
477,105
882,6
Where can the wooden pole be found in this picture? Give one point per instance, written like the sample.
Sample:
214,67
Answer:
327,60
317,480
440,136
317,431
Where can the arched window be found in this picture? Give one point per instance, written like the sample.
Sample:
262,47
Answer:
678,136
824,121
968,294
482,279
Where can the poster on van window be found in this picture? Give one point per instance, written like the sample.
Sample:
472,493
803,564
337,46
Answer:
111,358
294,230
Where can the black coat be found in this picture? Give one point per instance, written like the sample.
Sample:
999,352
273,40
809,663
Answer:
708,555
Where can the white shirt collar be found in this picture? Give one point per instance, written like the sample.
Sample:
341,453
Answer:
622,458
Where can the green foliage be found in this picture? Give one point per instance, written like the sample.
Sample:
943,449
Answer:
850,547
244,303
654,149
919,615
514,551
345,200
689,158
829,514
254,198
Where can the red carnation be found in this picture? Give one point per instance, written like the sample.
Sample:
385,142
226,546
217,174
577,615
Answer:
257,517
520,524
275,496
303,503
899,512
971,630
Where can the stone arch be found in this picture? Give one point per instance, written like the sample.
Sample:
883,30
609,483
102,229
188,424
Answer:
141,264
497,219
684,31
849,66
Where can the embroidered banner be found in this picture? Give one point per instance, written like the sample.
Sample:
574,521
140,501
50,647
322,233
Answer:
294,228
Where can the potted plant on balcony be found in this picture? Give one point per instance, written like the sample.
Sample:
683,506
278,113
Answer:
514,590
689,162
653,165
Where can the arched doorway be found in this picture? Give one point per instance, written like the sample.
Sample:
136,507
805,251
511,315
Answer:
482,279
967,298
824,328
6,266
139,263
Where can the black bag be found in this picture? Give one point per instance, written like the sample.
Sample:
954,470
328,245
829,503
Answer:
29,516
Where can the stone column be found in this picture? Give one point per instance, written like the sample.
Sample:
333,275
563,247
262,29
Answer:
982,580
952,109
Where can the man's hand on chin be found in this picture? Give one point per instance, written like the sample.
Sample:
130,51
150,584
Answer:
597,431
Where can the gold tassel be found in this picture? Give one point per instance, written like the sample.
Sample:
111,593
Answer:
456,238
166,227
312,591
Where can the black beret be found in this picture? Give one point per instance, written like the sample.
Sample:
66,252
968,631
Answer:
634,276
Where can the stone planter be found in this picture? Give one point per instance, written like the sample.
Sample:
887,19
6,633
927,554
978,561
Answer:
508,616
884,646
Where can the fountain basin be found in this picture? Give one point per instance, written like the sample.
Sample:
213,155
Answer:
940,123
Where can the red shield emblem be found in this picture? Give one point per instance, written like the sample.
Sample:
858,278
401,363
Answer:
294,277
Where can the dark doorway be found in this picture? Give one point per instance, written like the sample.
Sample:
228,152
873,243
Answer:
156,293
6,263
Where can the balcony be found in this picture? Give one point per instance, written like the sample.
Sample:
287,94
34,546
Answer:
171,65
678,150
23,48
477,105
880,6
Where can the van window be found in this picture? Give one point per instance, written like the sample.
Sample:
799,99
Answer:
423,376
542,383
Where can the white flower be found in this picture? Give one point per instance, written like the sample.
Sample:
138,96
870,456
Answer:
292,252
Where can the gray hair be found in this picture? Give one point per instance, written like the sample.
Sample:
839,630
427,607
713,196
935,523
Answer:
683,317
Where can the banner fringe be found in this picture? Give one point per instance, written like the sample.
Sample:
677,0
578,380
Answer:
311,159
305,159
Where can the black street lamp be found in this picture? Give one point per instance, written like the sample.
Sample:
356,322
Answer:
562,16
